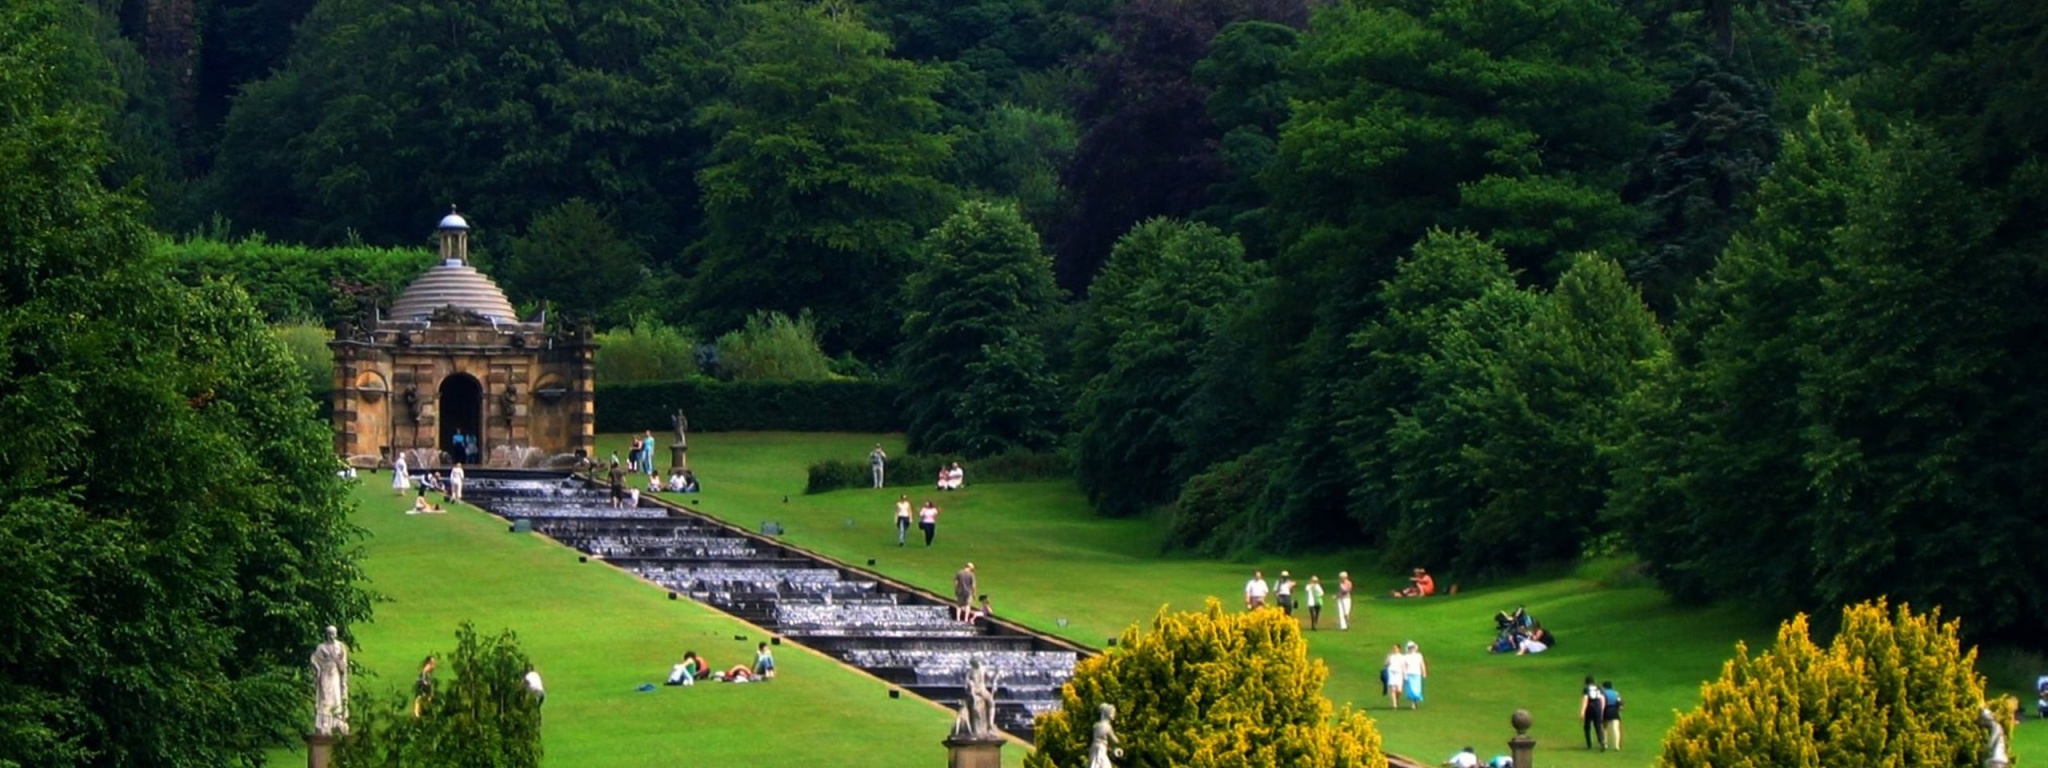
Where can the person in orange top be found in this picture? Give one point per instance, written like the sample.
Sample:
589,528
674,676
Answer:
1419,585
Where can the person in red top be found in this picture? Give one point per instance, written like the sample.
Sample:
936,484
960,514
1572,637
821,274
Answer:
1419,585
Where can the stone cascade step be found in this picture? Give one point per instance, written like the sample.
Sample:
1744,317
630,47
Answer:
906,637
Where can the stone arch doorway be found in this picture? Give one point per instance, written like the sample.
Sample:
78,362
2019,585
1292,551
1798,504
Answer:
462,410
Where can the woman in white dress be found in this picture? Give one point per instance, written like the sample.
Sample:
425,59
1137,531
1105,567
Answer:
400,479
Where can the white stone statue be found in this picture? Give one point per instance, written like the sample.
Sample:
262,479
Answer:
1996,747
978,713
1102,745
330,686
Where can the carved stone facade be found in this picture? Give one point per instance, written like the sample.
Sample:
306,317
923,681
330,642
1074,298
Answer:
452,359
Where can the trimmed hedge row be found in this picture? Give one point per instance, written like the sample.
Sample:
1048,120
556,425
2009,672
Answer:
923,471
750,406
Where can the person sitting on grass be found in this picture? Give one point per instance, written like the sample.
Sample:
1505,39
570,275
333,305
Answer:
687,672
1421,584
740,673
654,483
764,662
689,483
1465,758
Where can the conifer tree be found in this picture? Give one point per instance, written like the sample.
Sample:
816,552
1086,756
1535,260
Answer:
1210,689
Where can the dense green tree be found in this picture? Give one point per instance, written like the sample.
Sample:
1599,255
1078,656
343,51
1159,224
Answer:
1249,89
1713,483
1209,688
573,258
972,365
1148,147
154,617
1550,415
1445,272
1147,319
1016,153
385,114
294,283
822,177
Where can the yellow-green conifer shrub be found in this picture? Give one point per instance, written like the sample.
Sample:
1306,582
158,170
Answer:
1892,690
1209,689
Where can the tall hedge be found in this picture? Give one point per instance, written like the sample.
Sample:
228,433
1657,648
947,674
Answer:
744,406
294,282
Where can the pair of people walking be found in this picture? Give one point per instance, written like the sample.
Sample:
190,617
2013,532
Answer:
1600,714
1403,675
927,520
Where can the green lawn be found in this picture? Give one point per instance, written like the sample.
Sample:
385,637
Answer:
1049,562
596,633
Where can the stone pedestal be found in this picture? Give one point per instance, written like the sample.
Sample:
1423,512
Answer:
319,750
972,752
1522,748
679,456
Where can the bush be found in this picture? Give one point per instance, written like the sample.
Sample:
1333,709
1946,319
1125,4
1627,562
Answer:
1209,689
482,716
307,344
748,406
1213,511
911,471
1888,690
773,347
648,350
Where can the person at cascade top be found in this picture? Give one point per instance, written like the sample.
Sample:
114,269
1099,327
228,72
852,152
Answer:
455,478
617,479
1466,758
963,593
1255,591
877,458
647,454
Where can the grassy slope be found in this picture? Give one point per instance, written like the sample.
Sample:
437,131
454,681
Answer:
596,633
1045,558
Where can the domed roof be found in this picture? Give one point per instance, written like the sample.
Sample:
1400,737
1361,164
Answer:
453,221
456,284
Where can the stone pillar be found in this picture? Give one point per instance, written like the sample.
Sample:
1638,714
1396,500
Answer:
972,752
1521,747
319,750
679,456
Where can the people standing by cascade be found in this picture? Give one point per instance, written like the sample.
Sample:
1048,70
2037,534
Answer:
1343,600
876,459
647,453
902,518
400,478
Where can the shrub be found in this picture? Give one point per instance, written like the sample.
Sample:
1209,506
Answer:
736,406
307,343
910,471
1211,513
648,350
1209,689
1888,690
482,716
773,347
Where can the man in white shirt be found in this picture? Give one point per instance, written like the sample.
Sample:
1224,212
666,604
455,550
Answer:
455,478
1255,591
1464,759
540,693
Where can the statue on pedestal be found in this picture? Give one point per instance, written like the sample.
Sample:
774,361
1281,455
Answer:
1996,747
1102,744
330,686
679,451
978,713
